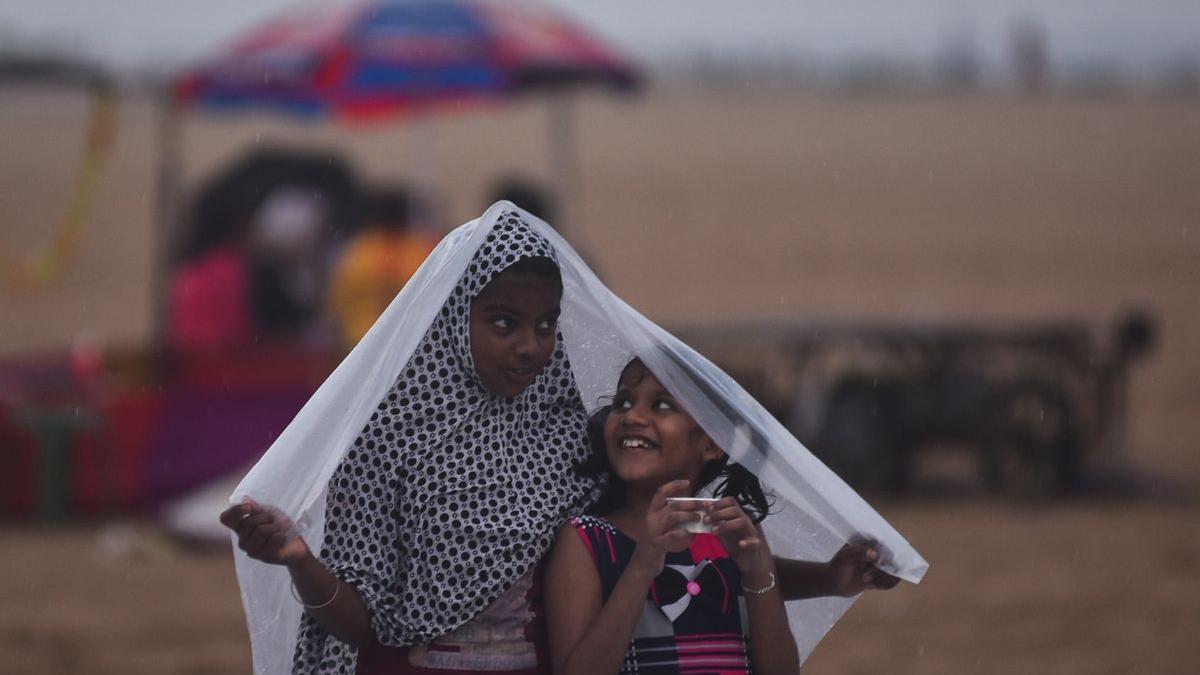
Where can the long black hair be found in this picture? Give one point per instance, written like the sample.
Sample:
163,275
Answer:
735,480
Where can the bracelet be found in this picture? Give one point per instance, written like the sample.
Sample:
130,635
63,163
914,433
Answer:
764,589
337,587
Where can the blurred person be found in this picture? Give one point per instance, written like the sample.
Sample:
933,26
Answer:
255,253
208,295
1030,56
209,301
287,252
442,457
375,264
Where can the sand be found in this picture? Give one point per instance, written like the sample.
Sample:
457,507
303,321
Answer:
718,206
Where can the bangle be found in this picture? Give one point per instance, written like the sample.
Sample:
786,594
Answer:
764,589
337,587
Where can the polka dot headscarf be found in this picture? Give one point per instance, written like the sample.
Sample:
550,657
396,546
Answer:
451,493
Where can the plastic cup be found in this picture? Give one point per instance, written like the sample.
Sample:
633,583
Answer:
697,526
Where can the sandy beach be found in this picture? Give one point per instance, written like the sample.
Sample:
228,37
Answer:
717,206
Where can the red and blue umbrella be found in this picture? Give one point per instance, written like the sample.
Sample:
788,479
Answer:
381,58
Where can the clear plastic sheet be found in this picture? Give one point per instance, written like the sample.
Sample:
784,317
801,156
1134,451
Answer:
815,511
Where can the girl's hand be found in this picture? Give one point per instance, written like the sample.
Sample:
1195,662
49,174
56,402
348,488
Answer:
263,533
852,569
664,529
739,536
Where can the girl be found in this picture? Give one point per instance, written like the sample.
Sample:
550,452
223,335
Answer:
713,601
450,494
425,479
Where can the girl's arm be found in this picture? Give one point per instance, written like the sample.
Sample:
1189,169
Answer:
772,646
332,603
851,571
801,579
588,635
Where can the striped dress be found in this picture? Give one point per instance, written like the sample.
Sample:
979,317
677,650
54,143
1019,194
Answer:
694,619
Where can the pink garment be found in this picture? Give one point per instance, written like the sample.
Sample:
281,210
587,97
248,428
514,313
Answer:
209,303
508,638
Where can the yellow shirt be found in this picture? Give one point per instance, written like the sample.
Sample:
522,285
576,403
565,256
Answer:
369,273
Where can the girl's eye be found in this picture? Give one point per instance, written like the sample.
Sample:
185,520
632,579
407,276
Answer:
663,404
546,325
502,322
622,404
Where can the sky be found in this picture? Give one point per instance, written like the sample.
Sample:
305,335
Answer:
1130,35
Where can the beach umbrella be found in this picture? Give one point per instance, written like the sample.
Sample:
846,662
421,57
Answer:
382,58
387,60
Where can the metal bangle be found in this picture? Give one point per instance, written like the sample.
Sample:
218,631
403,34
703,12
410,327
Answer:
764,589
337,587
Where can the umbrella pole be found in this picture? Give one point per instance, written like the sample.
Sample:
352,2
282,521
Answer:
166,199
562,159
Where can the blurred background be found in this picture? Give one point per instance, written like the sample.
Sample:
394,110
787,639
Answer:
952,245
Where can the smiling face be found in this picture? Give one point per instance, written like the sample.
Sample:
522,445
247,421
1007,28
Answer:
649,438
513,324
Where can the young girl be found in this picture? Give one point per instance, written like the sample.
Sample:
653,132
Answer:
629,589
438,513
425,479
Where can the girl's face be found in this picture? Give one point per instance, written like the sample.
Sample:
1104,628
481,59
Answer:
650,440
513,324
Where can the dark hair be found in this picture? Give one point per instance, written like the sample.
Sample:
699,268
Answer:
539,266
735,480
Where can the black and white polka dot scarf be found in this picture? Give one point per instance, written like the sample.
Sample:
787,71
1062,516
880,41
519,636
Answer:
451,493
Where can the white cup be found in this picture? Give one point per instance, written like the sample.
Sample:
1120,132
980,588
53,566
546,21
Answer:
697,526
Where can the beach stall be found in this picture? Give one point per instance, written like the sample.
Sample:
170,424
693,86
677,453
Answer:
107,433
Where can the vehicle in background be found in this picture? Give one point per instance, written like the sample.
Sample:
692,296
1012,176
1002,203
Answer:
1037,405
